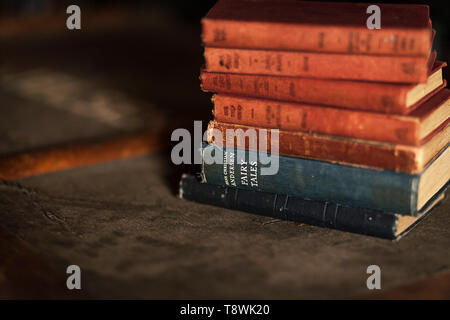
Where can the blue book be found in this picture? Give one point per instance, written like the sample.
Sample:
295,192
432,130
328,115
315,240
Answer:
375,223
330,182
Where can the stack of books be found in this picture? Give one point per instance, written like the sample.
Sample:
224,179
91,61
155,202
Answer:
362,115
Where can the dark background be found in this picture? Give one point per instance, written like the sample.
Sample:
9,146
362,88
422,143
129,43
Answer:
192,11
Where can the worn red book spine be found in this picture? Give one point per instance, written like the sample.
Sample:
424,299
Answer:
326,120
361,95
318,26
318,65
401,158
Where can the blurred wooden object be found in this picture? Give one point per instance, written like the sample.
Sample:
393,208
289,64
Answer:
32,163
92,20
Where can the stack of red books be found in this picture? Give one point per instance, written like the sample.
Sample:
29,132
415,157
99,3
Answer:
339,91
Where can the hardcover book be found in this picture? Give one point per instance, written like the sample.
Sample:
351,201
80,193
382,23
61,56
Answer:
323,214
364,153
390,98
404,69
319,27
384,190
408,129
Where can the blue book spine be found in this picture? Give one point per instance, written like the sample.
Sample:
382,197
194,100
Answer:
312,179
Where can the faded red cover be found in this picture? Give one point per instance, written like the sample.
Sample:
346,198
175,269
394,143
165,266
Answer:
318,26
361,95
396,157
404,69
326,120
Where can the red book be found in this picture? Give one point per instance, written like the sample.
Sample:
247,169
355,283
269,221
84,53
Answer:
318,26
364,153
404,69
370,96
408,130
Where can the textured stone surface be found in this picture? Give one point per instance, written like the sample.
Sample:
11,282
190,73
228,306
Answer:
123,225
